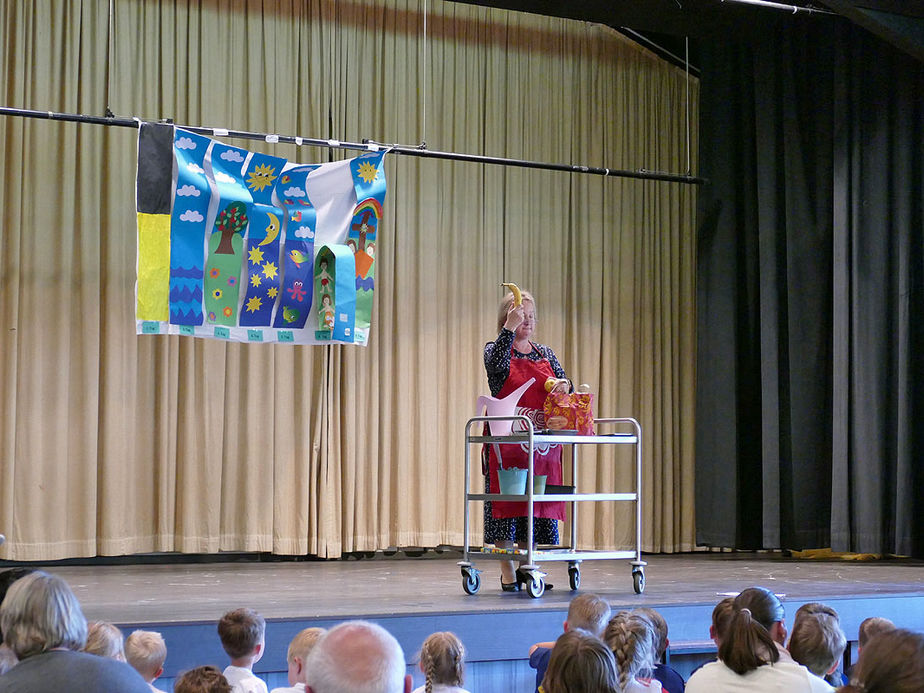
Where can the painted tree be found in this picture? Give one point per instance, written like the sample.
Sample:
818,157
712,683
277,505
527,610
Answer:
232,220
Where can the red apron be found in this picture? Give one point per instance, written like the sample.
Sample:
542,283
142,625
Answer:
546,458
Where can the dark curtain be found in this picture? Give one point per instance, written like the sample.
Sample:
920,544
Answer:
810,281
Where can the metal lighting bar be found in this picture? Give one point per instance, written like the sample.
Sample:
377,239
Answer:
782,6
365,145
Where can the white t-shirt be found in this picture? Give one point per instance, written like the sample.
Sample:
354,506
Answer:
785,676
440,688
243,680
645,686
297,688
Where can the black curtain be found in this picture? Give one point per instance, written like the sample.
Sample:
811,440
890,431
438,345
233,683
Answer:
810,298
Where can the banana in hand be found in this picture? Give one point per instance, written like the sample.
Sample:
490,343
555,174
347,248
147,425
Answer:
517,296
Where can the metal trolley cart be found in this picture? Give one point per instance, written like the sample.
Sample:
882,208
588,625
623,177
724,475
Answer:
535,586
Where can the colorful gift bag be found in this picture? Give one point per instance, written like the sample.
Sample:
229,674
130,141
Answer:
574,411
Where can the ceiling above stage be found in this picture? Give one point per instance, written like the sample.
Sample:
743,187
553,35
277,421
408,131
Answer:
900,22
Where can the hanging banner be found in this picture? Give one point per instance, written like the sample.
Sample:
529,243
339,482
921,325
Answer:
227,242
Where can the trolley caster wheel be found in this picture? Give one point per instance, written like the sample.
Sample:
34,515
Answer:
535,587
638,580
574,577
471,581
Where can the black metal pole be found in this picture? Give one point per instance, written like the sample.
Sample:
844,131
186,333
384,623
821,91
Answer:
366,145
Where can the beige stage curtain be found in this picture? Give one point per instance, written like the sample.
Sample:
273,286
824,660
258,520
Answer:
112,443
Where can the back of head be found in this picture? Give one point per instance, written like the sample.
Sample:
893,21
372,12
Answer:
660,629
747,643
813,609
104,640
580,663
631,637
722,616
40,613
891,662
817,642
442,659
207,679
356,657
7,578
146,651
303,643
873,626
589,612
241,631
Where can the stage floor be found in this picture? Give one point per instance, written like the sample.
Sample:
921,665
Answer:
414,597
406,586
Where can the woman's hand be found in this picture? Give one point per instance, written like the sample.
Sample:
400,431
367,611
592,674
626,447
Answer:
515,317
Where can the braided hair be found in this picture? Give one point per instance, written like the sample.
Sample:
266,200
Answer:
442,660
631,637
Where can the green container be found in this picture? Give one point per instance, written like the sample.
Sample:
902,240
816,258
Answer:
512,481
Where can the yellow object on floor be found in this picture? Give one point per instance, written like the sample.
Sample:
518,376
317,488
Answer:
842,555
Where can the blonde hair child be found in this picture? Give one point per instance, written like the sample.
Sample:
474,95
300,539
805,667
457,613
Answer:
442,661
632,637
146,651
104,640
299,649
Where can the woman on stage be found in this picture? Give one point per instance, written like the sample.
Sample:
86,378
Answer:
510,360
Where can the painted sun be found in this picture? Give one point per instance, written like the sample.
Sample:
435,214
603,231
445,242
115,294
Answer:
261,177
367,171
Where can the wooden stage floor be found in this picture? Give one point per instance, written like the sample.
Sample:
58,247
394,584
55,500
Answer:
414,597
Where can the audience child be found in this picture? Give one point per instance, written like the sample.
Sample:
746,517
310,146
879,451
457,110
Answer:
207,679
631,637
586,611
752,642
299,649
146,651
580,663
817,642
892,661
357,657
105,640
242,632
870,627
671,681
721,617
442,662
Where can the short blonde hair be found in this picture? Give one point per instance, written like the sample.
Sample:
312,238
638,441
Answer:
105,640
505,304
40,613
589,612
303,642
146,651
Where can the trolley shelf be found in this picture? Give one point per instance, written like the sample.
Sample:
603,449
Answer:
547,497
535,584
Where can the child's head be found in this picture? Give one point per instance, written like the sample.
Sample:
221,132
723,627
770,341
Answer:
146,651
104,639
660,629
872,626
631,637
207,679
299,649
442,660
817,643
721,617
813,608
588,612
891,662
241,632
581,663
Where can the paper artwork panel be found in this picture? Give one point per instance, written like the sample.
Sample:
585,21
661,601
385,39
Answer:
245,246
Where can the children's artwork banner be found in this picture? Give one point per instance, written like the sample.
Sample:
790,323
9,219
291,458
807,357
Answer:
246,247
